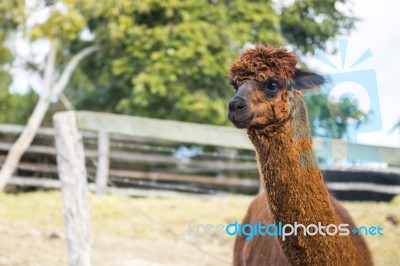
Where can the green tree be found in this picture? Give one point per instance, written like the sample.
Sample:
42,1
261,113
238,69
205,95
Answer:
169,59
53,83
310,24
11,17
329,119
15,108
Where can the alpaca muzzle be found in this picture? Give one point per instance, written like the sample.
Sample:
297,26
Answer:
239,113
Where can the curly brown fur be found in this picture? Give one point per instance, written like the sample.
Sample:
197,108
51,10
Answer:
262,62
294,191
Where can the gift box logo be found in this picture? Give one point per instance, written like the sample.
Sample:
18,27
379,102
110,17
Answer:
360,87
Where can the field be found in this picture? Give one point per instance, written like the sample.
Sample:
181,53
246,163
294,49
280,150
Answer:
152,231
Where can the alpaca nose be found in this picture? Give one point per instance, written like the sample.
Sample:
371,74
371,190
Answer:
237,104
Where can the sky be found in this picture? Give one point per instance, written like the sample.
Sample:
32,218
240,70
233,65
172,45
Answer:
378,31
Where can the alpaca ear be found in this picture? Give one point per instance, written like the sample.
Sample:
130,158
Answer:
307,80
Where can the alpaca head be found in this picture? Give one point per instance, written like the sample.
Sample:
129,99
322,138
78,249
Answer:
266,80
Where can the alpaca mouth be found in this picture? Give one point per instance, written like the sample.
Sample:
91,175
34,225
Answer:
239,122
242,124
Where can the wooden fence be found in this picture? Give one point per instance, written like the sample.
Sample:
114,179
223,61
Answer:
118,159
140,156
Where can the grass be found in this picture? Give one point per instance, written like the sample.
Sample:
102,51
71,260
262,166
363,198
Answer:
151,231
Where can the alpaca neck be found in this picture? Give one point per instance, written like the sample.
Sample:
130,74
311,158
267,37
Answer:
295,190
290,177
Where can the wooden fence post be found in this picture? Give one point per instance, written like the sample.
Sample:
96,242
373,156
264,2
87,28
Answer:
72,173
103,161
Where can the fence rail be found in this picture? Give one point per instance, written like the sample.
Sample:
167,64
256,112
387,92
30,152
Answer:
39,161
118,147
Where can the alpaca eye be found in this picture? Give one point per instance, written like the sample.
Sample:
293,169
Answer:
273,85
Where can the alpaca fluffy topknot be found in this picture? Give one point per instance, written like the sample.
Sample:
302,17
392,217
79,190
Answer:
262,62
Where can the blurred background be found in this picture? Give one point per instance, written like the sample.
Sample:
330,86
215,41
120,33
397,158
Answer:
169,60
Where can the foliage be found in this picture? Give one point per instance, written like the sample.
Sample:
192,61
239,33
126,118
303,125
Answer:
309,24
15,108
169,59
11,16
331,119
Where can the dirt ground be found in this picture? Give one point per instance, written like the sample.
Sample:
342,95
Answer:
152,231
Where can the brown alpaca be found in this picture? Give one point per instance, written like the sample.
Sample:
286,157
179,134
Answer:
269,104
